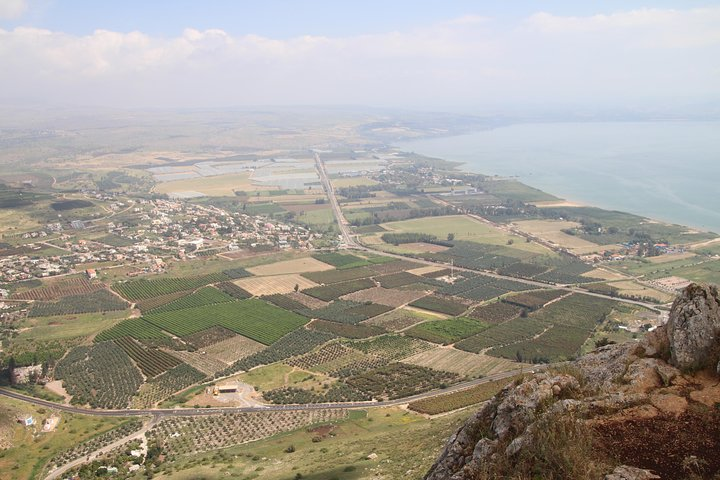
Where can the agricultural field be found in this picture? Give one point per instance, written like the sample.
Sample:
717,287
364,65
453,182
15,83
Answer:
184,435
233,349
341,260
294,343
97,301
210,336
143,288
201,361
463,363
337,290
259,286
532,301
399,319
447,331
344,311
567,323
464,228
298,265
199,298
306,300
163,386
336,360
463,398
337,276
346,330
390,347
552,230
136,328
233,290
252,318
385,296
398,380
102,376
400,279
439,304
512,331
57,289
280,375
215,186
72,328
150,361
495,312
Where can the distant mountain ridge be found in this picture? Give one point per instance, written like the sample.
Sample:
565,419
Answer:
641,410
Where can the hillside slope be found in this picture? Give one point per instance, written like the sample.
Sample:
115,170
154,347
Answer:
642,410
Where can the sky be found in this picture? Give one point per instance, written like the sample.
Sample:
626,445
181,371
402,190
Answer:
456,55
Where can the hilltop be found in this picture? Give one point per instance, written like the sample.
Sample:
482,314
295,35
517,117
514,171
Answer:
640,410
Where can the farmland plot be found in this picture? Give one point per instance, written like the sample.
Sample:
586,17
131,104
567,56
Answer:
200,361
337,290
185,435
259,286
102,376
136,328
204,296
298,265
399,319
336,276
210,336
447,331
97,301
150,361
163,386
463,398
233,349
346,330
496,312
253,318
391,347
399,279
398,380
440,305
308,301
57,289
143,288
460,362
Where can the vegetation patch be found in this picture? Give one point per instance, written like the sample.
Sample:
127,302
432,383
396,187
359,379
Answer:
97,301
341,260
496,312
70,205
399,380
463,398
390,347
200,298
143,288
136,328
337,290
336,276
151,362
346,330
252,318
447,331
439,304
102,376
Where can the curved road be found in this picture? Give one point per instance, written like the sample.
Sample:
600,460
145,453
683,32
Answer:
181,412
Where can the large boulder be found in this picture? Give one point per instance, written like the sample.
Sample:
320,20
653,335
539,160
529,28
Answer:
693,329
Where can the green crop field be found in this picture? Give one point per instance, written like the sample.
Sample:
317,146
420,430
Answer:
336,290
341,260
447,331
252,318
439,304
204,296
135,327
143,288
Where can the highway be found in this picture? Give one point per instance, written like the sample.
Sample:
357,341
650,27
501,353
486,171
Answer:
190,412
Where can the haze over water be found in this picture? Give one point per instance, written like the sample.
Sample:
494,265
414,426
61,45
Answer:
668,171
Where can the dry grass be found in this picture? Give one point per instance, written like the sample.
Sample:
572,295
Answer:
276,284
551,230
298,265
217,186
460,362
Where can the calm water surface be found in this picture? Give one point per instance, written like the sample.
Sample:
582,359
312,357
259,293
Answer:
664,170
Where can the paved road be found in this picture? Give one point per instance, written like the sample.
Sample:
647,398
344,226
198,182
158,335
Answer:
180,412
337,211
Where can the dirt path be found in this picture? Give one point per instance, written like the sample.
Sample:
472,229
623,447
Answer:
58,472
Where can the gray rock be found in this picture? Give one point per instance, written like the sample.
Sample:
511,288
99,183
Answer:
693,328
624,472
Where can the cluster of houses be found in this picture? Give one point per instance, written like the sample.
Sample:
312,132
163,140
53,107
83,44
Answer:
160,229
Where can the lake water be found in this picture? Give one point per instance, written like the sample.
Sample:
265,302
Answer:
669,171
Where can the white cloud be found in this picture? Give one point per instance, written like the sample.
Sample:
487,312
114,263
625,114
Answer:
467,61
12,8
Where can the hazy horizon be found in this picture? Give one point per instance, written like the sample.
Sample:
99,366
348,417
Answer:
466,56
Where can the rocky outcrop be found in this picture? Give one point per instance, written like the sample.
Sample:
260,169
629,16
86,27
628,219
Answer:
693,329
633,384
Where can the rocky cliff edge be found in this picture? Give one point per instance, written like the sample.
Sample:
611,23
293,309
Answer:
641,410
